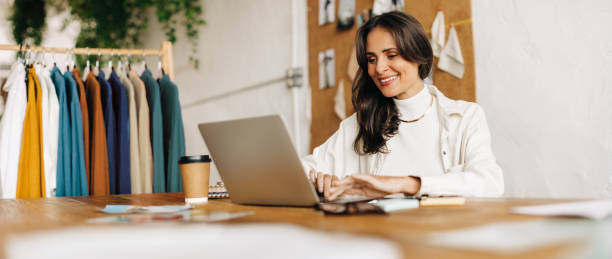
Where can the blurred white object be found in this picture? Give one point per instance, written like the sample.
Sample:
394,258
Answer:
597,209
451,59
513,237
197,241
437,34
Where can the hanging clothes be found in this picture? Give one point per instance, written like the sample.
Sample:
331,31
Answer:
109,125
122,152
50,119
31,175
64,183
84,116
144,136
11,129
157,142
98,166
78,175
135,173
174,134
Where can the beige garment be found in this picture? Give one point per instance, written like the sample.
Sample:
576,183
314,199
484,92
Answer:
136,178
144,132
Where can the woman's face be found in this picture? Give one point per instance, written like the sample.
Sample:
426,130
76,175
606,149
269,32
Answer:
393,75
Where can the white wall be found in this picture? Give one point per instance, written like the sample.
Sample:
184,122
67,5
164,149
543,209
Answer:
244,43
544,78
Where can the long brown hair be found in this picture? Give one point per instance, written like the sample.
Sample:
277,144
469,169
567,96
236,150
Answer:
377,115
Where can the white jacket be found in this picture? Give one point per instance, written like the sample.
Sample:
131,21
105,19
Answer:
11,129
468,161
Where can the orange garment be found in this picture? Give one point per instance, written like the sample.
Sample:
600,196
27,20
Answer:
98,170
85,118
31,172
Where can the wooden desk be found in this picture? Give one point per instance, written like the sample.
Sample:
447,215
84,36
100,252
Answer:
406,228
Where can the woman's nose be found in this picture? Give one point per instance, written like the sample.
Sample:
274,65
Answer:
381,66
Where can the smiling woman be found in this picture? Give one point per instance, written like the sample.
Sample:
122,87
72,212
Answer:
405,136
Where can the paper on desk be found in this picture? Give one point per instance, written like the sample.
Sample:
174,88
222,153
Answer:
514,237
198,241
118,209
597,209
180,217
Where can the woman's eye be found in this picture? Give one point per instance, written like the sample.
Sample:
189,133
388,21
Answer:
392,56
371,60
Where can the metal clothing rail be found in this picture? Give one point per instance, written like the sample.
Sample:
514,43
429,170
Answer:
165,53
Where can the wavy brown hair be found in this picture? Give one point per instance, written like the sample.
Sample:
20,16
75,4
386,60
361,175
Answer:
377,115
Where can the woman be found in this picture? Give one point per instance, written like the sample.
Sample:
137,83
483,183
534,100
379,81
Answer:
405,136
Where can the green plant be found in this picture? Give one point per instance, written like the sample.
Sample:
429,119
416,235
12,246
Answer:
115,23
28,21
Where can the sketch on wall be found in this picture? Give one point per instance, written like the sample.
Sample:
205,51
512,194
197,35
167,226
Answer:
326,11
327,67
346,14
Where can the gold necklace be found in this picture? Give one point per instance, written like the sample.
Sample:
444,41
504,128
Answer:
425,113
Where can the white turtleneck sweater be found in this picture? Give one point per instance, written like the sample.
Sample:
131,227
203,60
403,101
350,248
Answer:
415,149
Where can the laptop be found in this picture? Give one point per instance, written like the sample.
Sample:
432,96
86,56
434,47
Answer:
258,163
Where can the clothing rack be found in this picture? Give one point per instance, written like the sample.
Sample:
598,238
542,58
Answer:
165,53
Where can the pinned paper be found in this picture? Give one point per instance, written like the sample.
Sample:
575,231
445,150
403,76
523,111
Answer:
353,67
385,6
339,103
451,59
437,34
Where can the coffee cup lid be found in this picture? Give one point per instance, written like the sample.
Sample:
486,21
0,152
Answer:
194,159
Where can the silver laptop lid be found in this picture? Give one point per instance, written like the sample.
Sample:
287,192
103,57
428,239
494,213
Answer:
258,162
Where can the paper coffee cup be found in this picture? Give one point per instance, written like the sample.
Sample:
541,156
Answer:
195,172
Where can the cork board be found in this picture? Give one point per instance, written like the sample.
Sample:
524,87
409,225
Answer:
321,38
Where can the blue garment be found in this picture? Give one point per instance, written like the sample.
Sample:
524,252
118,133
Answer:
157,135
78,174
122,153
109,124
63,181
174,135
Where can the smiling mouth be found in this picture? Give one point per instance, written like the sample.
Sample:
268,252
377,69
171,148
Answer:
387,80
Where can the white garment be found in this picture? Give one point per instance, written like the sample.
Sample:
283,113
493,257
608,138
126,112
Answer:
416,149
50,120
451,59
469,166
11,129
437,34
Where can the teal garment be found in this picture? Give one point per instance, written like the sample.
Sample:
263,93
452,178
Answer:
78,175
174,135
157,135
63,181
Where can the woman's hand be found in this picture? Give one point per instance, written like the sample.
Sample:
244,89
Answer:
323,182
374,185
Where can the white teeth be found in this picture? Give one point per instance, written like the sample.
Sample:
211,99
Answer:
387,79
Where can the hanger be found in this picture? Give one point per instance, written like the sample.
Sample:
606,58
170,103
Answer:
129,66
97,63
110,62
87,64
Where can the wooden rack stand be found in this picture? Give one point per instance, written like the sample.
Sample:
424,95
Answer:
165,53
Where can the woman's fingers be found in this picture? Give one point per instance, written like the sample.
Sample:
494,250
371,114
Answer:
320,181
312,176
327,181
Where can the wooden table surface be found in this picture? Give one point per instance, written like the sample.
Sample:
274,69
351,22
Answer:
406,228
